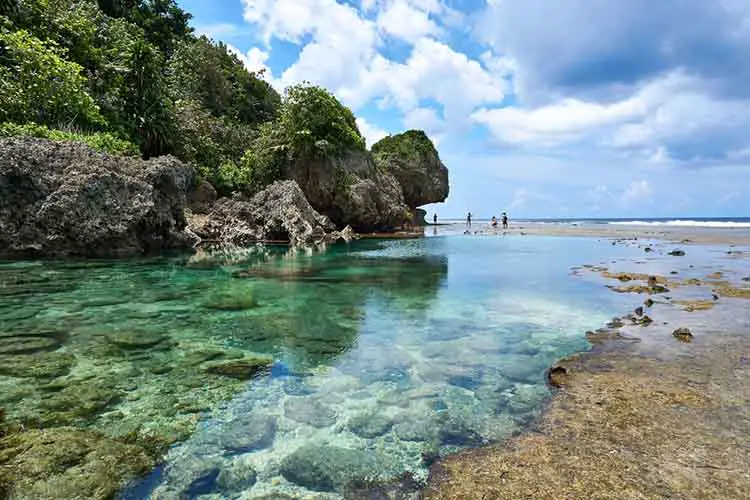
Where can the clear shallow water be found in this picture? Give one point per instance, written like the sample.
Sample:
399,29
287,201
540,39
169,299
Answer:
385,355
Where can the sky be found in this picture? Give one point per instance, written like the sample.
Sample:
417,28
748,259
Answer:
542,108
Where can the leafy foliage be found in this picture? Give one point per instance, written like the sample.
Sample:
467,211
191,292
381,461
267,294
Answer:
37,83
102,141
209,74
412,144
314,123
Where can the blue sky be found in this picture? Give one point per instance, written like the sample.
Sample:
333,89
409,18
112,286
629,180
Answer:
543,108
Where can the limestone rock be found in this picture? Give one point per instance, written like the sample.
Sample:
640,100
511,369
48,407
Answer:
65,199
352,190
202,197
279,212
413,160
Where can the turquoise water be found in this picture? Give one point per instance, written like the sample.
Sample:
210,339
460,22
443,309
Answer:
385,355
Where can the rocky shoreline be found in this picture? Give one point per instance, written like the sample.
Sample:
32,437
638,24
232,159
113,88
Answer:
658,408
63,199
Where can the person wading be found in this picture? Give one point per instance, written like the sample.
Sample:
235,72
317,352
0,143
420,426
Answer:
468,220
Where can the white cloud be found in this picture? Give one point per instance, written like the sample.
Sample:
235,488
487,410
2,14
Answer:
343,55
370,132
673,118
403,20
565,121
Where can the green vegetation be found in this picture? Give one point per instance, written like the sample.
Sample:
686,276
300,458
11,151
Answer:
410,145
119,74
101,141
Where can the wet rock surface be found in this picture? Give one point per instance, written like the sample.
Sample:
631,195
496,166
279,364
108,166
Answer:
65,199
68,463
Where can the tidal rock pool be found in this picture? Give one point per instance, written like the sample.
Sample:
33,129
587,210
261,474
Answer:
275,374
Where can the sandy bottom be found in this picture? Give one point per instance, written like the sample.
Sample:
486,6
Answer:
644,415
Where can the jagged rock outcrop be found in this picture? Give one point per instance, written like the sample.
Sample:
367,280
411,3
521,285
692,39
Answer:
280,212
413,160
350,190
375,191
65,199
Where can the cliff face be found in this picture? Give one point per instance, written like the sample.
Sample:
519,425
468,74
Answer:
351,191
65,199
413,160
379,190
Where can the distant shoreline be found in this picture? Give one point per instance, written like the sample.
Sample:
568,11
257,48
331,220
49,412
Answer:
672,234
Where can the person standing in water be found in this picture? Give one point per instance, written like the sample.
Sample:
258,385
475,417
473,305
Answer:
468,220
434,219
505,220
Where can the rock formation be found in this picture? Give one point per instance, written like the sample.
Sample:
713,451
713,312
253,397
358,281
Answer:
65,199
279,212
413,160
379,190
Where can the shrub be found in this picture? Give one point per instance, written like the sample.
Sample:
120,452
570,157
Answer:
38,84
104,142
315,124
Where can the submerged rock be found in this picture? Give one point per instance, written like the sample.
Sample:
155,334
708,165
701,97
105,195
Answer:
238,301
309,411
68,463
241,369
27,345
135,339
328,468
236,478
40,365
64,198
369,425
677,253
255,432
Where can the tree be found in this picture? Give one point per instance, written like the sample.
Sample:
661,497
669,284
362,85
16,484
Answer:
163,22
208,73
37,84
148,108
315,123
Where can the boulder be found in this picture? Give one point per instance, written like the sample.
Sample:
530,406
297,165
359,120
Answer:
66,199
352,190
328,468
413,160
279,212
202,197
